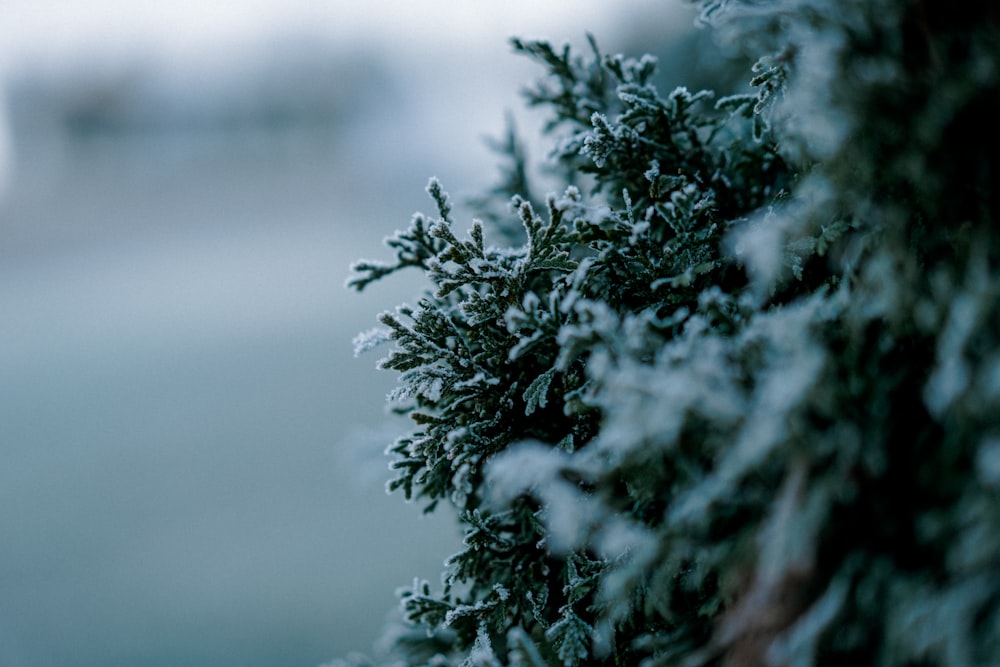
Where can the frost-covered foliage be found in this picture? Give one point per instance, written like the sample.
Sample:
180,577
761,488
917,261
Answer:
733,396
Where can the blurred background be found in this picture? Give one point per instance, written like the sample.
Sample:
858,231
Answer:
191,458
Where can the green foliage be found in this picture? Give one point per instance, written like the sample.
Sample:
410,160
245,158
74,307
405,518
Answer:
733,397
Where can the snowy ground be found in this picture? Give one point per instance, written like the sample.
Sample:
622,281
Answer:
181,414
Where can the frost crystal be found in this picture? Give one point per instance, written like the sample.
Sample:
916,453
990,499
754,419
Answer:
733,397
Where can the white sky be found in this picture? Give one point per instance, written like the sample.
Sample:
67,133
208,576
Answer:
50,31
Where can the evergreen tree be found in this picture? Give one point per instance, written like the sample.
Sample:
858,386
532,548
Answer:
732,397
